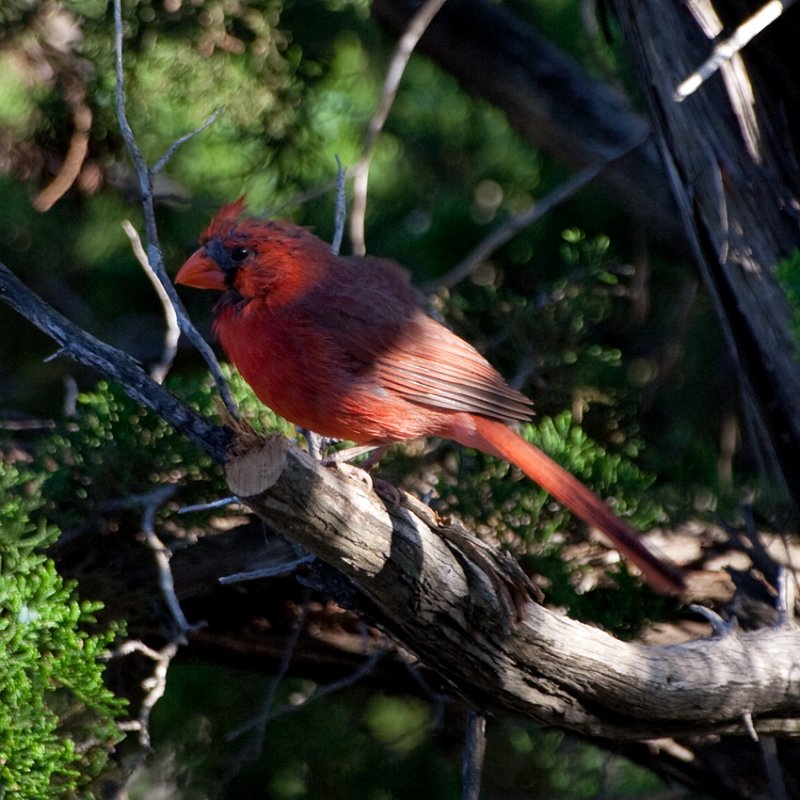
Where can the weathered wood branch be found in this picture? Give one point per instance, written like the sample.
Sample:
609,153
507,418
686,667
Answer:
548,668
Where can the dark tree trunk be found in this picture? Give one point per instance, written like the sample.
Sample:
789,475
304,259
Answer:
729,150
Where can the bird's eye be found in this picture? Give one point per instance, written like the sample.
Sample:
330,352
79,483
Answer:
239,254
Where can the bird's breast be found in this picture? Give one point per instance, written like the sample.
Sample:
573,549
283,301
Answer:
307,376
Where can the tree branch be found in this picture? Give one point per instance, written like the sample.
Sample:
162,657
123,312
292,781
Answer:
538,210
549,668
172,332
144,175
417,25
86,349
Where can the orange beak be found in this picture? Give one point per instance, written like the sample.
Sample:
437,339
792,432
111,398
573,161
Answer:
201,272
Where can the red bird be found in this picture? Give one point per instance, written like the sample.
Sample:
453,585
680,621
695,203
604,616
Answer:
341,345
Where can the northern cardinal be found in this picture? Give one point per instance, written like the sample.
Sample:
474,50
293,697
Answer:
341,346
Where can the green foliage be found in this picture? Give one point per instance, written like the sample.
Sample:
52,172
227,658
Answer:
604,471
788,273
113,448
57,719
564,333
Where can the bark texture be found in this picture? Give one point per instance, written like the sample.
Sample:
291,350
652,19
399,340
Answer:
431,595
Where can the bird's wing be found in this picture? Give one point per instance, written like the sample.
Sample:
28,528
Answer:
409,353
429,364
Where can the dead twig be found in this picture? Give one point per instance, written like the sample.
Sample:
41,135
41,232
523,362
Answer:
731,46
334,686
145,177
474,754
113,363
154,687
159,371
152,502
173,148
397,66
258,723
267,572
513,225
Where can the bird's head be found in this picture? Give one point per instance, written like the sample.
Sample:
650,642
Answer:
254,259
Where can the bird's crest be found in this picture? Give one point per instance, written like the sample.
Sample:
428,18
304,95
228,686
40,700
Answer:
225,219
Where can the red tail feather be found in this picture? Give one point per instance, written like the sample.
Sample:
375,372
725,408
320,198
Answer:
497,439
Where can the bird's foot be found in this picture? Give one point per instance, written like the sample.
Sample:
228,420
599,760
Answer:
349,453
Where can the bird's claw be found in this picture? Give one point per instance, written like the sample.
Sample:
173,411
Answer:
351,471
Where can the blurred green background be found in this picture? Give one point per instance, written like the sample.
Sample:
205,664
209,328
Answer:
558,308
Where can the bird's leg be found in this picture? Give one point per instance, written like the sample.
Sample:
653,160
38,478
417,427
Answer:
314,442
341,459
349,453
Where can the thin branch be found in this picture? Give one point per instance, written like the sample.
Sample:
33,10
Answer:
334,686
139,163
720,626
397,66
150,502
341,209
173,148
786,585
221,503
725,50
267,714
162,554
159,371
267,572
155,686
474,754
134,646
259,721
154,254
115,364
772,767
498,237
27,424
